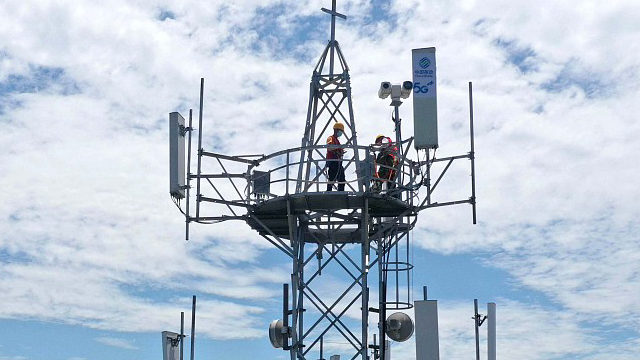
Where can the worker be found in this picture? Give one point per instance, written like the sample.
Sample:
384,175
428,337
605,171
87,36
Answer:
386,164
334,158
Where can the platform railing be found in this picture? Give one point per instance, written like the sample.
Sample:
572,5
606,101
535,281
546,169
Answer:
247,180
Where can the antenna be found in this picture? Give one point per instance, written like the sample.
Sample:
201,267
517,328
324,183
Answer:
177,131
170,341
400,327
478,321
173,344
181,334
361,232
193,327
491,331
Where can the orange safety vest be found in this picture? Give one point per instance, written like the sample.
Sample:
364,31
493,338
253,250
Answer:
334,153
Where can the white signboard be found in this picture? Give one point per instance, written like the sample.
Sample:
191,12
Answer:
425,109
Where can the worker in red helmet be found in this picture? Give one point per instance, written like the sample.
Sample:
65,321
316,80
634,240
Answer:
334,158
386,164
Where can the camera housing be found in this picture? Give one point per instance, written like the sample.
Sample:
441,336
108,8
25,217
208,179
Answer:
385,90
407,88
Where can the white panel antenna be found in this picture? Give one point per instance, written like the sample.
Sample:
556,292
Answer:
491,331
427,339
170,346
177,133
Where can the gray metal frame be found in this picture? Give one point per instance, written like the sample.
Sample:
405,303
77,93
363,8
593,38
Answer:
347,232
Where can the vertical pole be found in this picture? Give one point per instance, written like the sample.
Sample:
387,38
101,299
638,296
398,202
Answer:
365,274
321,341
193,327
187,219
285,315
333,37
424,292
472,155
491,331
287,175
294,313
476,319
300,277
199,150
398,145
428,179
383,319
181,334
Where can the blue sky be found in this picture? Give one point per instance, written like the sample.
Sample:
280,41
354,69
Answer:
93,264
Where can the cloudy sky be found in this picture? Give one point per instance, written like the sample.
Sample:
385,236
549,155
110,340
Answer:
93,264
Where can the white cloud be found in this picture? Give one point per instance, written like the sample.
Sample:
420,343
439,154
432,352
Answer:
116,342
88,216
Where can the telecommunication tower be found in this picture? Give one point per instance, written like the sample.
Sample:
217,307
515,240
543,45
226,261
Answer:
362,233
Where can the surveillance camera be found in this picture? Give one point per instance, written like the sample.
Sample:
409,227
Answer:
385,90
407,88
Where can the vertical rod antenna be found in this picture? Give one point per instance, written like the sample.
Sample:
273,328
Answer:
199,148
187,219
472,155
476,319
193,327
181,334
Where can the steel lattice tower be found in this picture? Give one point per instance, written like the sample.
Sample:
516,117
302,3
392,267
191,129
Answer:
359,236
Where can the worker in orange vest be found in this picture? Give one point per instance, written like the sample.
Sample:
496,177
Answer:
334,158
386,164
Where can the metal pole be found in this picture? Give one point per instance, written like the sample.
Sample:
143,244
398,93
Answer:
428,179
399,145
188,177
199,150
472,155
285,315
333,37
321,340
193,327
476,319
301,290
491,331
181,334
383,319
424,292
365,273
294,310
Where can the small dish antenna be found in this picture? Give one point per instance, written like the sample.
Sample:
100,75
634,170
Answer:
275,333
399,327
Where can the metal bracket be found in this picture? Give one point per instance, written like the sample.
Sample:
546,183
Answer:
480,319
184,130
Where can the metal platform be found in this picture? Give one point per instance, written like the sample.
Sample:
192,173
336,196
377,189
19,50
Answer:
272,213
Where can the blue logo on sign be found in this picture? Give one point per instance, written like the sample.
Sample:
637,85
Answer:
424,62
